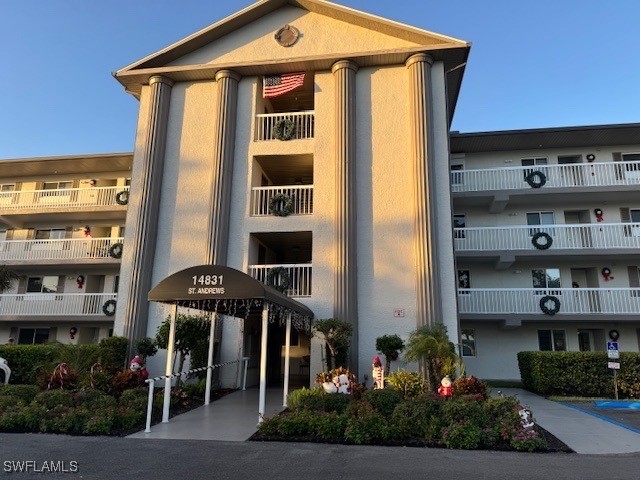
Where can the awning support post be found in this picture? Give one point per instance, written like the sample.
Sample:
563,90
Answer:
212,330
263,361
169,368
287,358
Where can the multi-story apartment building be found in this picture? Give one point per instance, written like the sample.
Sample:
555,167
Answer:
61,230
547,238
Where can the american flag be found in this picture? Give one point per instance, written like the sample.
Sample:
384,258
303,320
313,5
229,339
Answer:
276,85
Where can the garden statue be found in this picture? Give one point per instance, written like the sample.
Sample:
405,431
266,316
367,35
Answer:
339,384
4,366
526,419
137,365
377,373
445,387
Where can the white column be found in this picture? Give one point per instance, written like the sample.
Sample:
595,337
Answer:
212,331
263,361
169,368
287,358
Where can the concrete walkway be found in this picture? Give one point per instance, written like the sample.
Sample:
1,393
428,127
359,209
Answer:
582,432
233,418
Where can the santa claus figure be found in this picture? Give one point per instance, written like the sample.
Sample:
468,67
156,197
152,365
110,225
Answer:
445,387
377,373
137,365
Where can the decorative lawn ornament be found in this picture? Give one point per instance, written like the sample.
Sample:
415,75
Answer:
542,240
444,390
536,179
284,129
137,365
281,205
115,251
59,375
606,274
526,418
122,198
599,214
550,305
377,373
4,366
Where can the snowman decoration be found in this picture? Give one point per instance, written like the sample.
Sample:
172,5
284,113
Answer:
137,365
445,387
339,384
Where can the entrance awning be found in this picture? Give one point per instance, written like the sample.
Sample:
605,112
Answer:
225,290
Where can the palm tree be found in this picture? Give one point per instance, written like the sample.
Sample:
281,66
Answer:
6,278
430,346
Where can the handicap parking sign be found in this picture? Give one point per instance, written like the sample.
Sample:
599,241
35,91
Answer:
612,345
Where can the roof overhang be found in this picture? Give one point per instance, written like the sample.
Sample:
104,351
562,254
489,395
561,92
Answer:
544,138
66,165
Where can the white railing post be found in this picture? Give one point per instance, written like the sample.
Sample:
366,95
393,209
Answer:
300,276
61,198
302,196
303,121
150,404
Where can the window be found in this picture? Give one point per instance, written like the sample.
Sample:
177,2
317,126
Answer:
530,162
552,341
468,338
57,185
546,278
116,284
295,338
33,335
50,234
540,218
7,187
121,230
47,284
464,279
457,177
127,182
459,221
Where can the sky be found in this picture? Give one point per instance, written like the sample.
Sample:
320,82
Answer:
532,64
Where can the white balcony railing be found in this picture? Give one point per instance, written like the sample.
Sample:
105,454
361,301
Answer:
54,304
608,301
563,236
303,122
62,249
62,198
299,280
566,175
301,196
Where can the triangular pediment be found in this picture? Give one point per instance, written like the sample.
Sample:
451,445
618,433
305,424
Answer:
325,28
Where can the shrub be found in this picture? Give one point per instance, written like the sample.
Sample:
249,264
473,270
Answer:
125,380
334,402
146,347
337,336
25,359
128,417
305,399
629,375
365,425
12,419
469,386
298,423
409,384
505,420
135,398
59,419
9,403
26,393
100,424
94,400
413,419
528,440
464,408
390,346
384,400
270,427
330,427
113,353
32,416
54,398
575,373
51,379
462,434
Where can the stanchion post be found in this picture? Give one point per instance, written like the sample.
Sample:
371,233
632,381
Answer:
152,384
212,330
169,368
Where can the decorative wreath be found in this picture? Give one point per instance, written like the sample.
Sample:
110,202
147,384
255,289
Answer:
614,334
278,278
122,198
72,333
548,240
536,179
109,308
549,311
606,272
598,212
281,205
284,129
591,157
116,250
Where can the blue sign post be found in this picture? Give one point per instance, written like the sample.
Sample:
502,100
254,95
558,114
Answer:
612,353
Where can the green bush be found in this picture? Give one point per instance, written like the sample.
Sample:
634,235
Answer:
59,419
270,427
330,427
383,400
462,434
576,373
136,398
9,403
26,393
54,398
409,384
113,353
412,419
365,425
129,417
300,423
126,380
528,440
469,386
12,421
94,400
24,360
463,408
32,416
305,399
100,424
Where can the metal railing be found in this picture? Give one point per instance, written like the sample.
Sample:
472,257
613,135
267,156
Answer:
57,304
563,236
61,198
57,249
298,281
565,175
303,121
608,301
300,195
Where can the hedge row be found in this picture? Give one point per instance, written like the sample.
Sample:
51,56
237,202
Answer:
26,360
579,373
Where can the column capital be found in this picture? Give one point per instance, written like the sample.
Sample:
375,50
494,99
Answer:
340,64
161,79
419,57
228,74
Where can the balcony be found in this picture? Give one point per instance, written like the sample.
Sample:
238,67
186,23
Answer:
301,196
303,125
62,305
68,198
587,303
298,277
557,176
577,237
52,251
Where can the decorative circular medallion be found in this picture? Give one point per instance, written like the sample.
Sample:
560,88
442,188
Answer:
287,36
